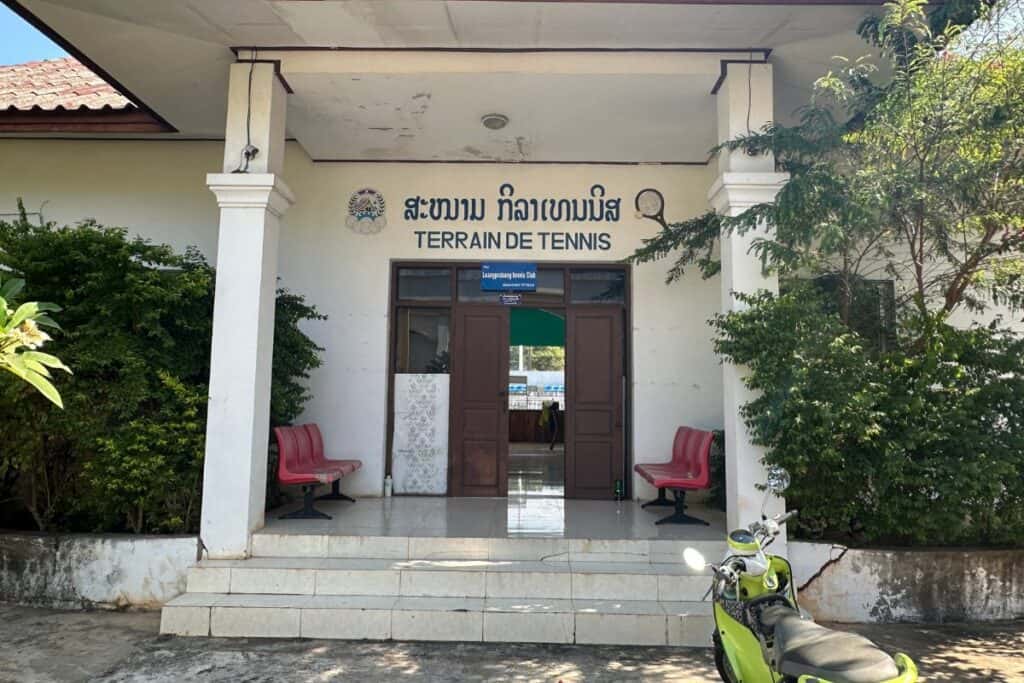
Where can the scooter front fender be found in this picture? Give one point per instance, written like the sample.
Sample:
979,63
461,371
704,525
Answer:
906,666
742,649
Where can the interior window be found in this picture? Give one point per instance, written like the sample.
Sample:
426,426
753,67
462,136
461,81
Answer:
469,287
424,335
598,286
424,284
550,287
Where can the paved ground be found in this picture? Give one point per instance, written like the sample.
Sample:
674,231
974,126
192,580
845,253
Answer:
53,645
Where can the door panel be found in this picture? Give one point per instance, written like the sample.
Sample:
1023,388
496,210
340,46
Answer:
592,469
594,440
480,402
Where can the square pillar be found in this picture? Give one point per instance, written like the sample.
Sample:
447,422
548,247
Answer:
732,194
256,115
744,103
238,417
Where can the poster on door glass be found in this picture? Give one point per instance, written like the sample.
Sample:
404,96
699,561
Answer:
419,452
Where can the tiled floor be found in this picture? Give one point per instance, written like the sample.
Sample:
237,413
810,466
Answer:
536,469
512,517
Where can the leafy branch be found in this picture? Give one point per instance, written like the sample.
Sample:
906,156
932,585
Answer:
21,336
917,176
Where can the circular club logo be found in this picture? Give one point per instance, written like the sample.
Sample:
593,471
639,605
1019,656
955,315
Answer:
366,211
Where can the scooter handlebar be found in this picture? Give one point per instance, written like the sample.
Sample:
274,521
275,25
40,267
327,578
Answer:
785,517
771,527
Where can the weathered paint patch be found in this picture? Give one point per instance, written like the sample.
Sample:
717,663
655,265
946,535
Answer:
77,570
933,586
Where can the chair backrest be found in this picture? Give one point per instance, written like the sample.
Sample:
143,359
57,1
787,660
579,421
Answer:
691,448
287,449
313,431
305,446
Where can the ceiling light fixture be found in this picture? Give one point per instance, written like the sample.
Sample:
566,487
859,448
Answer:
494,121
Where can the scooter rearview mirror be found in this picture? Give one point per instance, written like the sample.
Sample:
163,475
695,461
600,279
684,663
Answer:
778,479
694,559
778,482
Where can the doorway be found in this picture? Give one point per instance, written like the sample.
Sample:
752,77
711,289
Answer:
538,382
536,398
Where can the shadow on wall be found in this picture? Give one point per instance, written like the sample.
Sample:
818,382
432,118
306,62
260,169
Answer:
956,653
866,585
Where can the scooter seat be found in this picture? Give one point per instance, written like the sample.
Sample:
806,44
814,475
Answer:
803,648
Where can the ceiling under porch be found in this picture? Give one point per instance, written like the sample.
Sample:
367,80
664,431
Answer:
172,56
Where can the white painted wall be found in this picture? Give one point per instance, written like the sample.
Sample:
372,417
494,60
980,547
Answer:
676,377
933,586
81,570
158,189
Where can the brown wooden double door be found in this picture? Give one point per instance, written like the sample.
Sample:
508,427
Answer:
479,424
594,384
595,371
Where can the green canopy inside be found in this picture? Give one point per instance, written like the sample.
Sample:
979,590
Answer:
536,327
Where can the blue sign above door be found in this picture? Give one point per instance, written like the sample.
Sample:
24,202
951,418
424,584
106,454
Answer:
508,277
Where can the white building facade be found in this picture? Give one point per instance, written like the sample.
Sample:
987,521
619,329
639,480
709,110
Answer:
599,101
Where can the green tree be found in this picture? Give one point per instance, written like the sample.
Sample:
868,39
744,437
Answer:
906,170
547,357
127,451
915,178
917,445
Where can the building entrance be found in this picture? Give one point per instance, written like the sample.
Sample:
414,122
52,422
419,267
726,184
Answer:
535,385
537,402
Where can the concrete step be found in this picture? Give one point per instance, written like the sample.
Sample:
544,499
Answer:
553,579
355,617
279,544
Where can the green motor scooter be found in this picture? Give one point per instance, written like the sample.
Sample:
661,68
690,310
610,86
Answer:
761,634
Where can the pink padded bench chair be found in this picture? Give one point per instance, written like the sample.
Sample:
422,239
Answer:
301,462
689,470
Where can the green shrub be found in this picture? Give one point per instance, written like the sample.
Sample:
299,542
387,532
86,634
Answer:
295,355
148,474
126,453
923,444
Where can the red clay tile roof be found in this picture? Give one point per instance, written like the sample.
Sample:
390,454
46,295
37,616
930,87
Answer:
57,84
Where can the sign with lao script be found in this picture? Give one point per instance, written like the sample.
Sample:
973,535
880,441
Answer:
537,223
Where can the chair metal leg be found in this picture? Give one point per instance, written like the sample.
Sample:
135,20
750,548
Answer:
660,501
336,493
680,516
306,511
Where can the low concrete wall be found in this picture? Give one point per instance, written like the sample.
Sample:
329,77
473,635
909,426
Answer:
934,586
77,570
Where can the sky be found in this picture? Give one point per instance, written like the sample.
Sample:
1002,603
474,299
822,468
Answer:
20,42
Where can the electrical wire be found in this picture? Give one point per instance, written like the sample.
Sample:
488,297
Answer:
248,152
750,87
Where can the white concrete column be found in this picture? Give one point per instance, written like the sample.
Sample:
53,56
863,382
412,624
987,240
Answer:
744,104
256,115
251,206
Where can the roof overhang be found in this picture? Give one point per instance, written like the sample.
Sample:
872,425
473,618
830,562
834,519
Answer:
172,59
107,120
